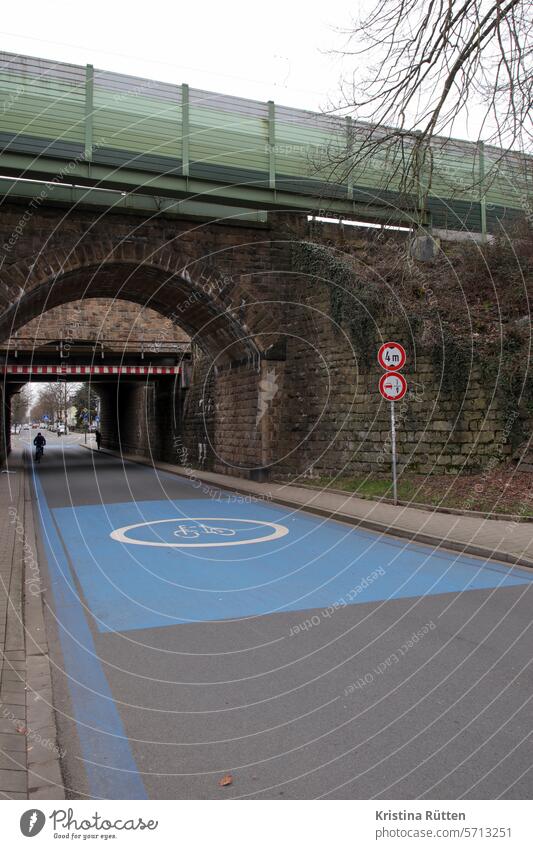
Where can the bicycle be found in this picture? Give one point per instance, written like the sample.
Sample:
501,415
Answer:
187,532
39,451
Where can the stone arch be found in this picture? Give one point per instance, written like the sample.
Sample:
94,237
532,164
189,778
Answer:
214,282
100,321
207,303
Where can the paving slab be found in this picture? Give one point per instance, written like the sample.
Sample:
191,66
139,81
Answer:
13,780
47,792
24,650
13,711
13,760
13,697
12,742
11,675
44,774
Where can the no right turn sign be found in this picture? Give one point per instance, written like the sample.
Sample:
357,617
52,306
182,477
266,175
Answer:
392,386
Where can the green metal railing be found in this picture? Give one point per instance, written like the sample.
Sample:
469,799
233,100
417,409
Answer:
172,149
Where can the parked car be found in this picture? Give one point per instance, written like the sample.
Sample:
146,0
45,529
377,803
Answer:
25,426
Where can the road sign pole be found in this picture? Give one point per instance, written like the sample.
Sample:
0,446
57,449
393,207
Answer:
392,387
393,452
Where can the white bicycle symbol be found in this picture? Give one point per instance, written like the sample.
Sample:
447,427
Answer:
200,532
193,531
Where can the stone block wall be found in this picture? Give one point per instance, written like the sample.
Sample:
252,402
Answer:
315,409
238,444
435,432
103,319
335,422
235,414
318,412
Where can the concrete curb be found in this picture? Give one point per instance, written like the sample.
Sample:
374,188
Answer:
417,505
368,524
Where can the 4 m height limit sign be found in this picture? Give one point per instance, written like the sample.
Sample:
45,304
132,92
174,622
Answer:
392,386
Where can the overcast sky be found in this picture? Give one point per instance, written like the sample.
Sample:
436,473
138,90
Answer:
277,50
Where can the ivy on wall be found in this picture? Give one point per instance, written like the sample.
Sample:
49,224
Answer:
506,365
357,305
453,360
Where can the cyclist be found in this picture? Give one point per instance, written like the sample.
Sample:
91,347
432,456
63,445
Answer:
39,443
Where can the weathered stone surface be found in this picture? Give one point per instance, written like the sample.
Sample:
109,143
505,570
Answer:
111,322
275,385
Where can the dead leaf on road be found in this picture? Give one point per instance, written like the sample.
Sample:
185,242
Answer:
225,781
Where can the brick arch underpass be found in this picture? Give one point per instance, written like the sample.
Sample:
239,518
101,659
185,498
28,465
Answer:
208,317
276,384
210,305
109,324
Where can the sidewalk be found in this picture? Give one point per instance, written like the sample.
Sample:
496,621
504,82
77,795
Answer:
508,541
29,754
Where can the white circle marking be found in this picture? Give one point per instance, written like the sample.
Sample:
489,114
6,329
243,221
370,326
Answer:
120,534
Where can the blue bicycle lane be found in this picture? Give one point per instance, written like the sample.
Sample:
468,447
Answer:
127,564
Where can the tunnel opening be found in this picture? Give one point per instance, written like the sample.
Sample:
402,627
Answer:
203,414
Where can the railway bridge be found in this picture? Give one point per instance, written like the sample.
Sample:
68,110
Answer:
188,203
216,283
162,637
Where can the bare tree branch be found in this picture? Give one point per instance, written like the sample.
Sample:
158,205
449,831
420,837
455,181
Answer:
434,63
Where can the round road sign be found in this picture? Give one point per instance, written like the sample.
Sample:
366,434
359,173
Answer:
392,386
391,356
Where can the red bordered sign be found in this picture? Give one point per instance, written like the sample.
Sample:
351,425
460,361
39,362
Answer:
392,385
392,356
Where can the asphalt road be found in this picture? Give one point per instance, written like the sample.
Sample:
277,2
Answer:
194,635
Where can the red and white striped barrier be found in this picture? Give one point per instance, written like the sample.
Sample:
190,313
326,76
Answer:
90,370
